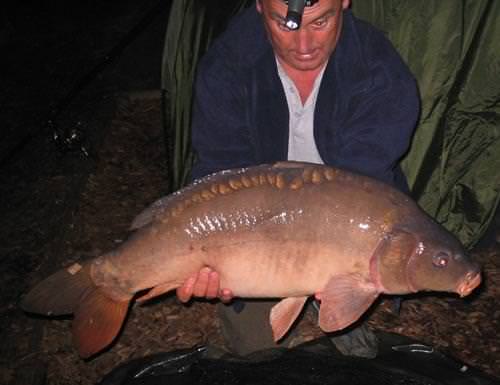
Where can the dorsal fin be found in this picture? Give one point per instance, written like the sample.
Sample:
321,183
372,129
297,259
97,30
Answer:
151,212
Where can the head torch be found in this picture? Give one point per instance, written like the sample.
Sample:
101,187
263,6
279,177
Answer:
295,11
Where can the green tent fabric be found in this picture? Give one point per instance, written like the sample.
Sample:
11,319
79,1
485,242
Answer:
190,29
453,49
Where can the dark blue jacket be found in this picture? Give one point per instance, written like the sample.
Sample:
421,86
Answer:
365,115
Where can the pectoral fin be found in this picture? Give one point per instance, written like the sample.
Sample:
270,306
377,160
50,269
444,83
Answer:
283,315
155,292
344,299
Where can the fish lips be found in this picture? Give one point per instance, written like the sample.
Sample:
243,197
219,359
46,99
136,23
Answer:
471,281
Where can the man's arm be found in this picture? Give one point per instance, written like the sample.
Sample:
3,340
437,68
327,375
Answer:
376,118
379,133
220,135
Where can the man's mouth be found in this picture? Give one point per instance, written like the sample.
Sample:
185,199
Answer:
306,55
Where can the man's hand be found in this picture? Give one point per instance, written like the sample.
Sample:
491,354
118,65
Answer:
205,283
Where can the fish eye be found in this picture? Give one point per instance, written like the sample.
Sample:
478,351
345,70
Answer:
441,259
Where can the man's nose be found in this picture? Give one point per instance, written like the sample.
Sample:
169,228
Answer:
303,40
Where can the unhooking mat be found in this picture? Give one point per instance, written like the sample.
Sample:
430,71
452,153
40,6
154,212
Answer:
401,361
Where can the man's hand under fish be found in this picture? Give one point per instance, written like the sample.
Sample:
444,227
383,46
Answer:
206,284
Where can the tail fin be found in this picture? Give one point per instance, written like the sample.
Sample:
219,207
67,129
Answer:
60,293
97,322
98,318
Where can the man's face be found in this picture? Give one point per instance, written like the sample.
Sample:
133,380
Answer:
309,47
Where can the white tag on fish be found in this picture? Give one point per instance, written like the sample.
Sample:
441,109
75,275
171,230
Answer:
74,268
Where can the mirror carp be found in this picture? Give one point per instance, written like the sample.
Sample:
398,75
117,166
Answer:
285,230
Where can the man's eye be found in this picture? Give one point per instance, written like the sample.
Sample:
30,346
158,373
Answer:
320,23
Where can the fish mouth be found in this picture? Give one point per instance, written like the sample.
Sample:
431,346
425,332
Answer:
471,281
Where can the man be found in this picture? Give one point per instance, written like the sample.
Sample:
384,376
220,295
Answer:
334,91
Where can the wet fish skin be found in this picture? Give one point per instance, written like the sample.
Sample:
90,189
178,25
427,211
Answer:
285,230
